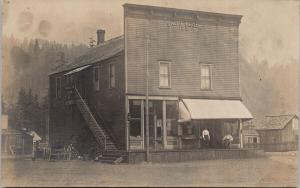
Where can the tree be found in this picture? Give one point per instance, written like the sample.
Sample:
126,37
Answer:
28,113
92,42
17,111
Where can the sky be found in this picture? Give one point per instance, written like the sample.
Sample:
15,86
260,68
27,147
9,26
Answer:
269,29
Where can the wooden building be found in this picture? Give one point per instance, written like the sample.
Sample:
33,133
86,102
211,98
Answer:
14,142
280,133
184,64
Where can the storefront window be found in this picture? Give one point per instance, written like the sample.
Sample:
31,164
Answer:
155,123
135,119
171,118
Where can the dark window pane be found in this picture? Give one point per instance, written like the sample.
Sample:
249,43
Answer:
135,128
135,108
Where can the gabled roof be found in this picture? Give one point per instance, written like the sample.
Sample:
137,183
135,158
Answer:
99,53
276,122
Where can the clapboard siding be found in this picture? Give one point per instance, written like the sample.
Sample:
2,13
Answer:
216,44
66,121
110,102
276,136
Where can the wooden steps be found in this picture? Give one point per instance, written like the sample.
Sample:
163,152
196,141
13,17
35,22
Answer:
101,135
110,159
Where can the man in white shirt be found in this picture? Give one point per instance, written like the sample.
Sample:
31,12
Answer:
205,134
205,138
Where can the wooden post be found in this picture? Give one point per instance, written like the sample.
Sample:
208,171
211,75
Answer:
105,143
155,132
23,145
164,125
6,143
147,103
143,123
241,133
126,123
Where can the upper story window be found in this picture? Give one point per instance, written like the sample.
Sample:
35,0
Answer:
68,79
112,75
164,75
58,87
96,77
205,75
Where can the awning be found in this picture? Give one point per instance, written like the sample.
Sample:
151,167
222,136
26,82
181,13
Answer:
212,109
184,114
77,70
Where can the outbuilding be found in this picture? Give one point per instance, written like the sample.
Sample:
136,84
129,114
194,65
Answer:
280,132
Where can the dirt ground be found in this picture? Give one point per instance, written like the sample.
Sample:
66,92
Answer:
277,169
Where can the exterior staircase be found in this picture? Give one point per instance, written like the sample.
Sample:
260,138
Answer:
101,135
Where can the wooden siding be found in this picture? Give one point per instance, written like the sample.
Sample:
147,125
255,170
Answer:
110,102
212,43
285,135
188,155
66,120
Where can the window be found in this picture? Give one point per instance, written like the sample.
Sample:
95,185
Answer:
96,78
112,76
136,117
164,75
205,77
295,124
254,140
58,87
171,118
68,79
250,140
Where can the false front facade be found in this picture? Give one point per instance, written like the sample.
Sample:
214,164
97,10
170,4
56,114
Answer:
172,74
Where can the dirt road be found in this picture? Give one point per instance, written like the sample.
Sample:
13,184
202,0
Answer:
276,170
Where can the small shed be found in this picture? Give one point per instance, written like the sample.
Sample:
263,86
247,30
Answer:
279,133
15,142
251,137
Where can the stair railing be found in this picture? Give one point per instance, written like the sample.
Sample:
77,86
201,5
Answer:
104,142
91,115
98,117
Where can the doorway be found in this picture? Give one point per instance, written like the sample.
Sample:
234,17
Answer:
155,124
136,136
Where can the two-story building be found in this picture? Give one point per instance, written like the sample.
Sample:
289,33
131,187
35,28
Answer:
184,64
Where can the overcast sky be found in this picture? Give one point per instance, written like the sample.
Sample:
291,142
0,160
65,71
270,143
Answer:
269,29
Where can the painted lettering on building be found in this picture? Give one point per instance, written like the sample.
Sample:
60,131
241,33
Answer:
186,26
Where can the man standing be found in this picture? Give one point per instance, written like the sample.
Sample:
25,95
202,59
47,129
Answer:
205,134
205,137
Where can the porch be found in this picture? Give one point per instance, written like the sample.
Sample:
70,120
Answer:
181,155
177,124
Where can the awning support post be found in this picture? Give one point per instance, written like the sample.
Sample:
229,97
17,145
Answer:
241,133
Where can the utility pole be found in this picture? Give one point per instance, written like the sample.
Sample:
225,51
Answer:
147,100
147,38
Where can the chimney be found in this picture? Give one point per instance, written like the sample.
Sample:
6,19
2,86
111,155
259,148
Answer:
100,36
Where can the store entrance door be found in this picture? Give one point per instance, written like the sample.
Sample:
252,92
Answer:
155,124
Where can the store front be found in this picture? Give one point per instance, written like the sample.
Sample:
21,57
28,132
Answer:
178,124
163,126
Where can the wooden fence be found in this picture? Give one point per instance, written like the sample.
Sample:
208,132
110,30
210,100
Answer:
274,147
